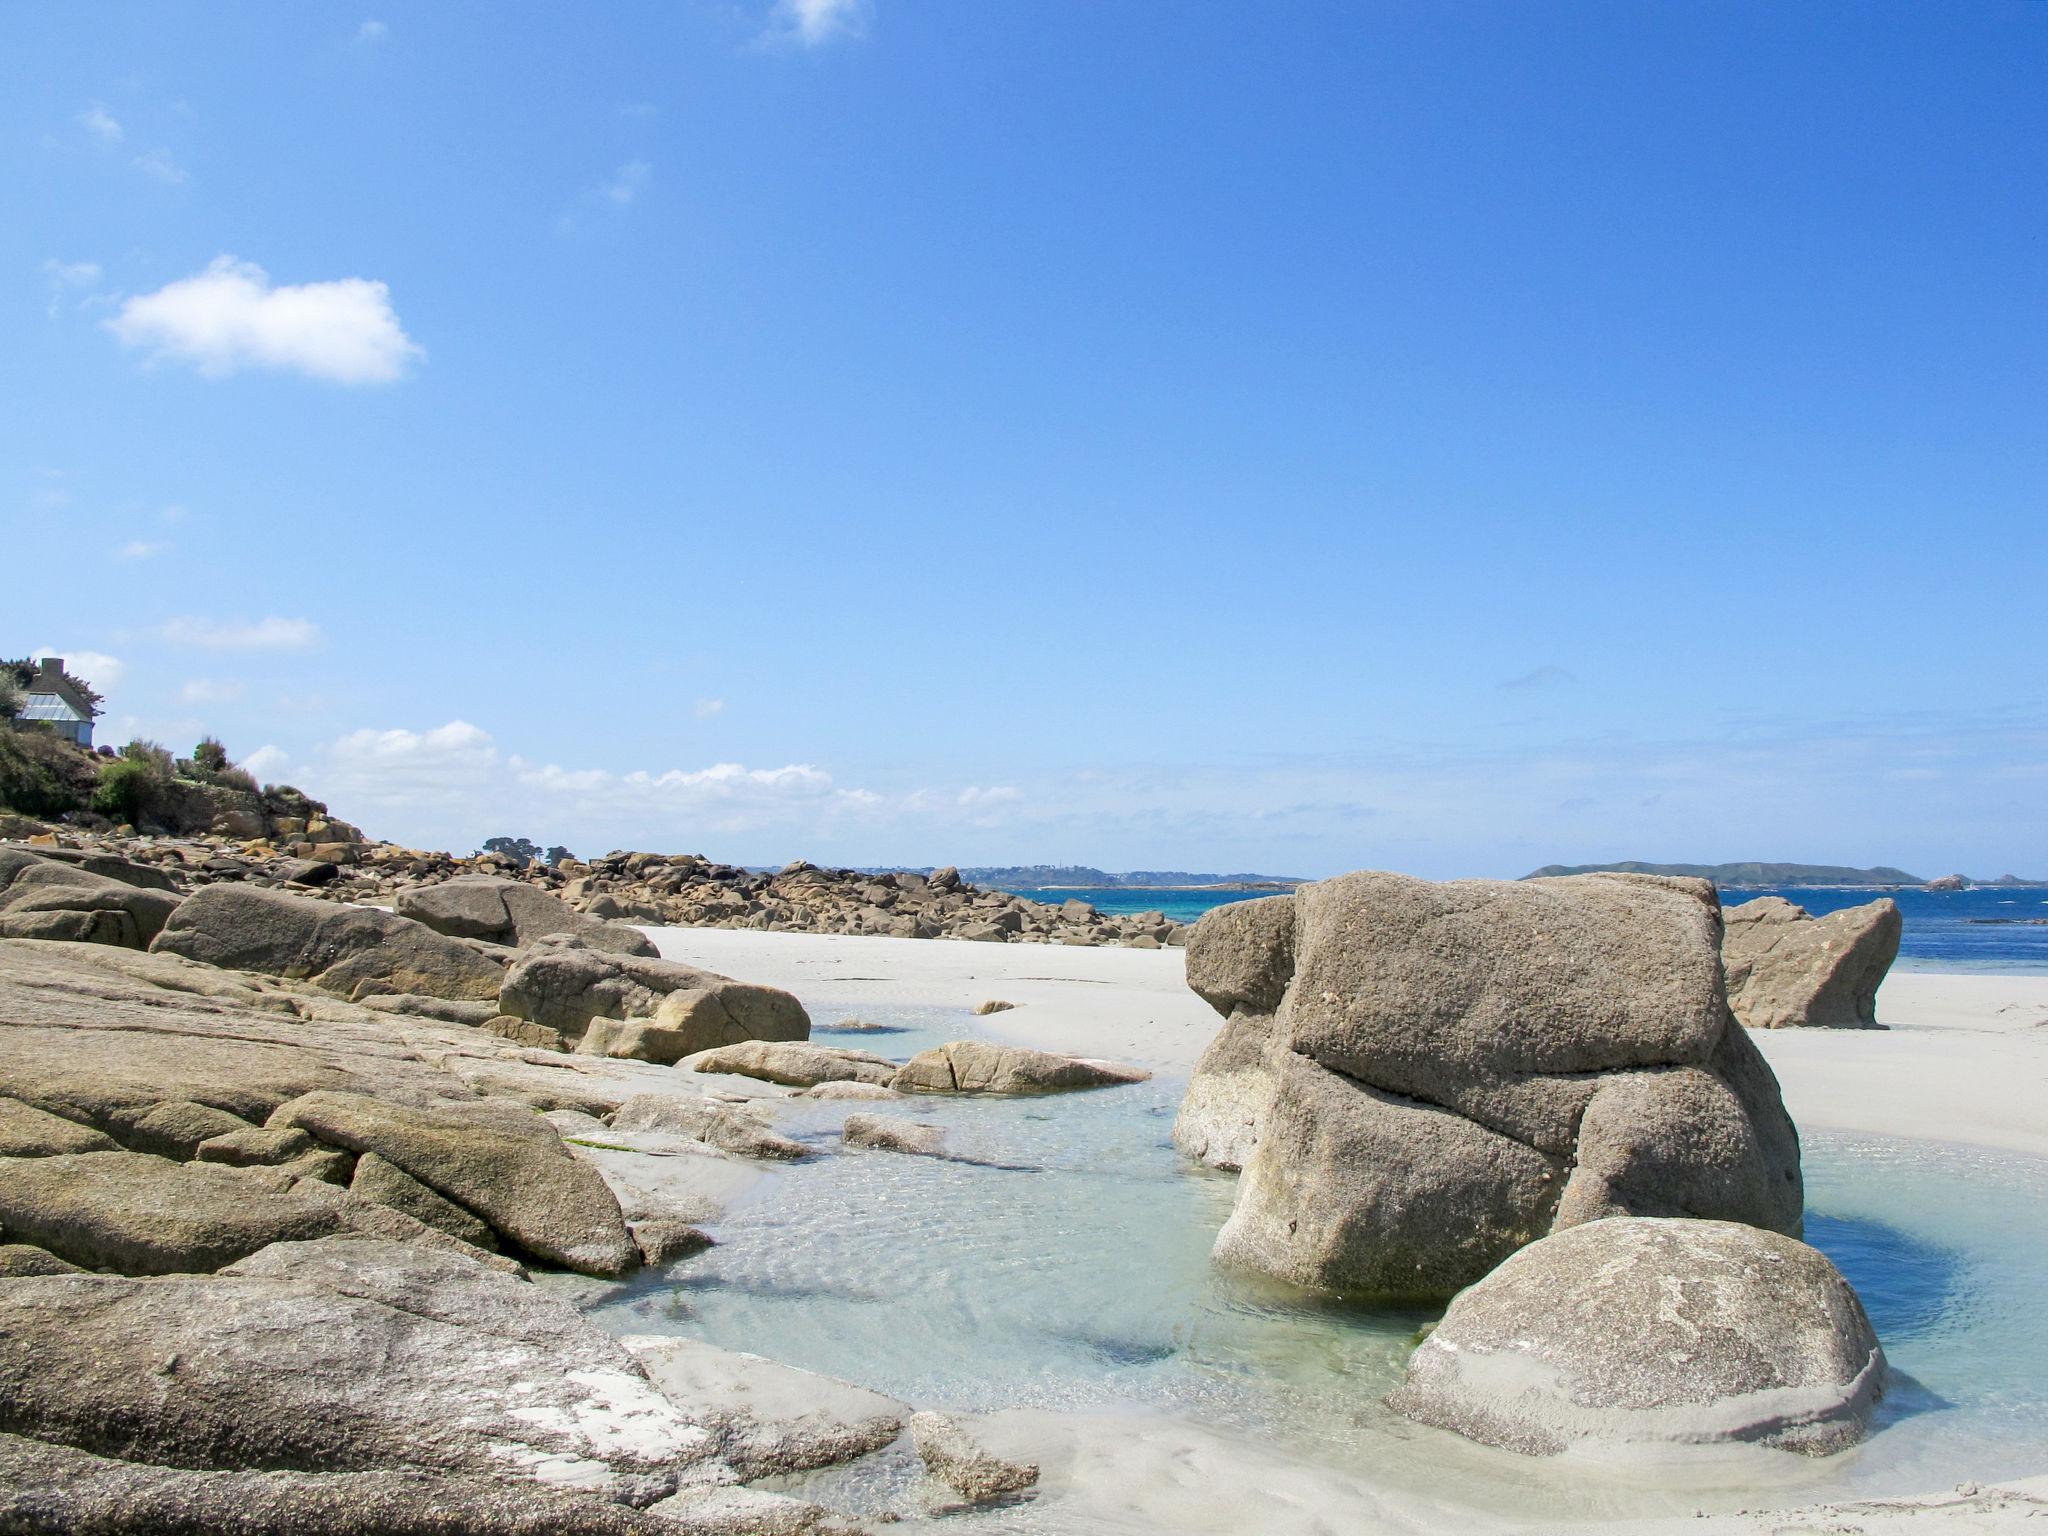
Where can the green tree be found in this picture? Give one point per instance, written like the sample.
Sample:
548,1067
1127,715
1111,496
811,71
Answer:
210,756
518,849
12,695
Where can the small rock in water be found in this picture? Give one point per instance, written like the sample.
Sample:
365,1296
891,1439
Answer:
952,1457
994,1005
887,1133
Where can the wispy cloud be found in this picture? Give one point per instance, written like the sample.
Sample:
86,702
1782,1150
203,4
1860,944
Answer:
141,549
705,709
69,279
371,33
626,183
812,22
232,317
160,165
101,124
271,634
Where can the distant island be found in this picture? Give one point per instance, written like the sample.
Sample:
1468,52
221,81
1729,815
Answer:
1744,874
1082,877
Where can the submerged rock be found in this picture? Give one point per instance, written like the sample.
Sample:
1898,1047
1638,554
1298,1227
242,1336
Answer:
953,1457
888,1133
1786,968
978,1066
1639,1330
1418,1079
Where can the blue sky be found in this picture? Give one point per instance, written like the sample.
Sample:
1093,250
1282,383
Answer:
1446,437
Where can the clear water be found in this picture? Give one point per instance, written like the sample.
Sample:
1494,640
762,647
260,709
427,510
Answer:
2001,928
1077,1277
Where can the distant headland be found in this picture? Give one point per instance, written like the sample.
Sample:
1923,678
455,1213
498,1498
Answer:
1779,875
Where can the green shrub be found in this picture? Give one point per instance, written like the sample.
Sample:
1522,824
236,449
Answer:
210,757
128,786
13,696
42,774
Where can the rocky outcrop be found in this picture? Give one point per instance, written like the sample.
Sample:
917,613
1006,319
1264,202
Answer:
727,1127
1639,1330
796,1064
1419,1079
510,912
501,1162
954,1458
980,1066
43,898
673,1010
349,951
1786,968
891,1133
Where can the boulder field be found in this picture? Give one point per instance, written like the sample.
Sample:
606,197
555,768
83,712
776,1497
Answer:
1418,1079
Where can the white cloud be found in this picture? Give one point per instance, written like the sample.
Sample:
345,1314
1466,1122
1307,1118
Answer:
706,708
267,763
210,690
814,21
68,278
231,317
141,549
158,163
626,184
370,33
104,672
271,634
100,123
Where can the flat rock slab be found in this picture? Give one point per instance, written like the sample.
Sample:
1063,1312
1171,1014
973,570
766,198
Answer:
977,1066
796,1064
769,1419
1638,1330
956,1459
500,1162
144,1215
728,1127
346,1356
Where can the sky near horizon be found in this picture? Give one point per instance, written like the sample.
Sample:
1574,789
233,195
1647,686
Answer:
1446,437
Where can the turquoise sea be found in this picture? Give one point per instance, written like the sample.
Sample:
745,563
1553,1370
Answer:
1989,928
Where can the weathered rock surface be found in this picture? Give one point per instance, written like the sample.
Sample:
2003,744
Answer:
26,1131
1786,968
45,898
678,1009
399,1358
891,1133
796,1064
1643,1330
768,1419
345,950
513,913
953,1457
979,1066
727,1127
1418,1079
500,1162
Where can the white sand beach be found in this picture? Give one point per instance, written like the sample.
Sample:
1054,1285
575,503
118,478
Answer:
1962,1063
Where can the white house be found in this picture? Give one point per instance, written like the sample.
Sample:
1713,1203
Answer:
55,698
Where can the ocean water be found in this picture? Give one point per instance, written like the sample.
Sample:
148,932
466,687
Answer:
1987,928
1068,1269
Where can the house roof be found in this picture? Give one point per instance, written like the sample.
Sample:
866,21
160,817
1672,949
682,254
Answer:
51,687
53,706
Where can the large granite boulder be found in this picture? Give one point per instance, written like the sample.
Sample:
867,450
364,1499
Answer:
350,951
796,1063
502,1163
980,1066
513,913
1787,968
43,898
1418,1079
678,1009
1639,1330
728,1127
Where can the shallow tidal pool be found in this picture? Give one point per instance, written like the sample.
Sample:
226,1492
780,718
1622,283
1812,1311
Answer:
1069,1270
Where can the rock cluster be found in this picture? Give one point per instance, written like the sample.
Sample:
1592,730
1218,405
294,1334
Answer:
1786,968
1652,1331
960,1066
1418,1079
681,890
